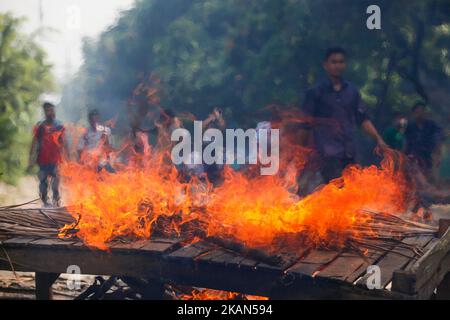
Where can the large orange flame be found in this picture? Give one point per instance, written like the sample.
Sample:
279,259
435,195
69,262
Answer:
256,210
122,204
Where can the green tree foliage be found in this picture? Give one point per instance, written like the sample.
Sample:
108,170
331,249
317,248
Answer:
24,76
246,54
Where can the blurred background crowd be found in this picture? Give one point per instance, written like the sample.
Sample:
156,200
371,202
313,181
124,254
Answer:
241,55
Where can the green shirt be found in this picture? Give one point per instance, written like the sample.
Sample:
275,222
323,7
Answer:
394,138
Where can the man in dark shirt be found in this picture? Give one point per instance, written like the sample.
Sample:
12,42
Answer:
423,139
332,110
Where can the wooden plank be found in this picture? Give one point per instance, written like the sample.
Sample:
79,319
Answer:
213,256
269,268
425,274
307,288
166,240
227,258
444,225
288,261
190,251
79,244
393,261
248,263
51,242
426,287
162,247
48,259
313,262
144,246
372,258
180,264
316,287
135,245
18,241
232,259
350,266
425,249
342,267
118,245
236,259
209,266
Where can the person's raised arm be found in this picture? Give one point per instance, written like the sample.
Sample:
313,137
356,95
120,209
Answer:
208,120
368,127
220,119
366,123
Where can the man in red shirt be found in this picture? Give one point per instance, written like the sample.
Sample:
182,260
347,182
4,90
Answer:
47,151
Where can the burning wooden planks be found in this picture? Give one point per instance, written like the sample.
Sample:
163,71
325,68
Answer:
372,231
316,273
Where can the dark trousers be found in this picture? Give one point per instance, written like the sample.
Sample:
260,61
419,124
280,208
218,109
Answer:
332,167
46,173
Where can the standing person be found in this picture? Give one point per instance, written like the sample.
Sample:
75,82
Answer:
423,140
47,148
164,127
95,146
215,120
395,134
333,109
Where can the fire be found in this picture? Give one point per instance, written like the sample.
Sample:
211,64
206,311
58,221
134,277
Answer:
147,193
256,210
209,294
123,204
259,210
